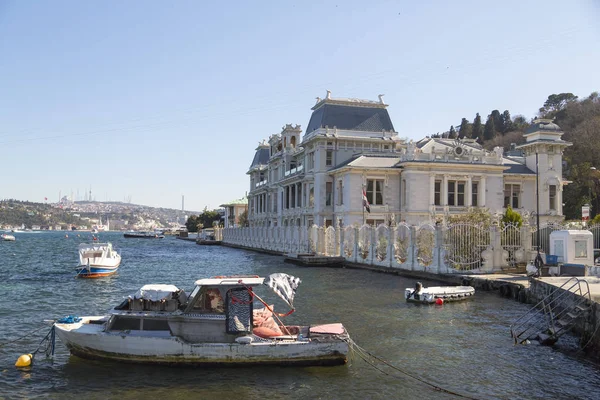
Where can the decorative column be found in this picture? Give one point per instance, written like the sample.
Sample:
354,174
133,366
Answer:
432,189
445,191
482,189
469,191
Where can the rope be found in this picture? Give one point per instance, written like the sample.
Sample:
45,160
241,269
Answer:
364,354
22,337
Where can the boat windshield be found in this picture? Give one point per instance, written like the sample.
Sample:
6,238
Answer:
207,299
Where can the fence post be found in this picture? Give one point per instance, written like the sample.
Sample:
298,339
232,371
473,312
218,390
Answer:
355,243
390,243
412,250
339,239
438,249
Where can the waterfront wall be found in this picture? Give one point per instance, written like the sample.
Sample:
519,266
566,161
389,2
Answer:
459,248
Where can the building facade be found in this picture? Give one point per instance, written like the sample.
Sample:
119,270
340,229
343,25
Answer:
232,212
350,147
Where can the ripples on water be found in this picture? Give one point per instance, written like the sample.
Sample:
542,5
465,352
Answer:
463,347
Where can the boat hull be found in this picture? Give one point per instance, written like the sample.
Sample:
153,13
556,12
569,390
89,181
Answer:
446,293
90,341
95,271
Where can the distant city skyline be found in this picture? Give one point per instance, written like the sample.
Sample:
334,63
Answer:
149,101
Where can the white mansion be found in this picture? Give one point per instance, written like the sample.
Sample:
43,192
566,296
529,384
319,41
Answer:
350,145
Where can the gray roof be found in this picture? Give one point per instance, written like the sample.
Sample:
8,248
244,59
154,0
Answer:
350,118
545,125
261,157
370,161
518,168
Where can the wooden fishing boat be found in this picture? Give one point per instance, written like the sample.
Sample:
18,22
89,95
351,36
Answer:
217,324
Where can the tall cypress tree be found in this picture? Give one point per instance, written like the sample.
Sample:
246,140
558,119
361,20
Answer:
465,129
497,117
489,132
477,128
507,124
452,133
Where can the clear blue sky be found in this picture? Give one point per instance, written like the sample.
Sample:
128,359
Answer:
155,100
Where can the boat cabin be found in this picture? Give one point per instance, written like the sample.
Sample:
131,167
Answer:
217,310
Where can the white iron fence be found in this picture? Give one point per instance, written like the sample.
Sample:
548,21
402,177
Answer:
459,248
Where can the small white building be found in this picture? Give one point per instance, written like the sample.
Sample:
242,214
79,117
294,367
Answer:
350,147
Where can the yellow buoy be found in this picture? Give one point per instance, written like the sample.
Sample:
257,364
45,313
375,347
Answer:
24,361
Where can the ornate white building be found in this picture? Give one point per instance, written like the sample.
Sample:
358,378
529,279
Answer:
350,145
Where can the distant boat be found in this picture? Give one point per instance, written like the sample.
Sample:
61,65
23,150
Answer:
8,238
438,294
143,235
97,260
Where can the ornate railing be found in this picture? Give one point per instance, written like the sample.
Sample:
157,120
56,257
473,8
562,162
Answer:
459,248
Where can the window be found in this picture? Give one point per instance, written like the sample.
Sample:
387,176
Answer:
451,192
299,196
329,158
340,193
460,193
437,196
456,193
512,195
328,223
311,161
375,191
552,195
474,192
374,222
328,193
311,195
580,249
293,196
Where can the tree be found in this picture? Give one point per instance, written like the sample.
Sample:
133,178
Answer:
192,223
506,122
489,131
477,129
497,117
512,217
243,218
465,129
452,133
556,102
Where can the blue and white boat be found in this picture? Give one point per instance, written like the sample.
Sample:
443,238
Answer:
97,260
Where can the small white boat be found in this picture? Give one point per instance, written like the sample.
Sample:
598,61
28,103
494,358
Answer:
8,238
430,295
217,324
97,260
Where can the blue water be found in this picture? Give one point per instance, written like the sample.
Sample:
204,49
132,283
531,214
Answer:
463,347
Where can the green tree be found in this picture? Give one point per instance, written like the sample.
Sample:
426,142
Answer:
477,128
505,122
489,132
243,219
465,130
497,117
452,133
512,217
192,223
557,102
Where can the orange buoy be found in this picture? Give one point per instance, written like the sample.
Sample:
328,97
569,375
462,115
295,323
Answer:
439,301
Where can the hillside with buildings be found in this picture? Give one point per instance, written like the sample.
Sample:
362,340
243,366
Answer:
83,215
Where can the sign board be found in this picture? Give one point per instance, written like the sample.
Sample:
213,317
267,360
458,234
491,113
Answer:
585,213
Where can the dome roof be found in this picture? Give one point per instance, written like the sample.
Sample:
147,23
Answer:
543,125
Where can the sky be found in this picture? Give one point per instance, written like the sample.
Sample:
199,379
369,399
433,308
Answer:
148,101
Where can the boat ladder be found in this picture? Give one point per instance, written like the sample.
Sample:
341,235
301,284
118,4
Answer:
555,314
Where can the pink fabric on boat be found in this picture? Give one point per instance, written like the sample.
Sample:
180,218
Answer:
334,329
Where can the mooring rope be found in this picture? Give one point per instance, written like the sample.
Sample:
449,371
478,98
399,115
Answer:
22,337
364,355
